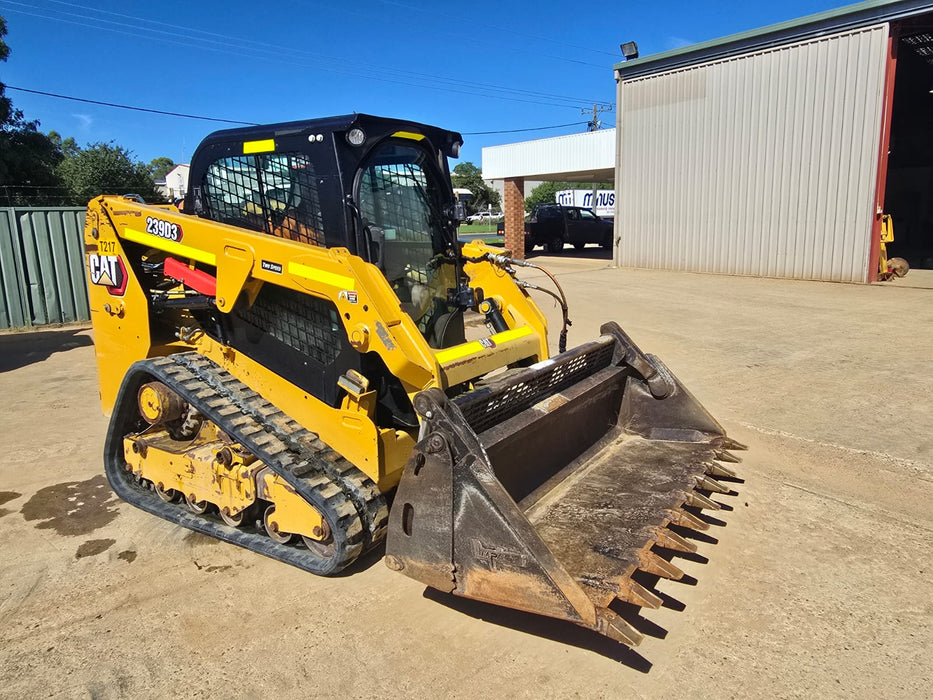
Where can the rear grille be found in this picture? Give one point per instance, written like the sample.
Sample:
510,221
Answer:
303,322
490,405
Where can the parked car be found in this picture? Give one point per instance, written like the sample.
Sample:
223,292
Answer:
482,217
553,225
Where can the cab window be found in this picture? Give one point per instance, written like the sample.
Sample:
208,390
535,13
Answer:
274,193
401,200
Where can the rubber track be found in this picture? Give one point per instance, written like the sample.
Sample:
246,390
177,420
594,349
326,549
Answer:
359,488
241,413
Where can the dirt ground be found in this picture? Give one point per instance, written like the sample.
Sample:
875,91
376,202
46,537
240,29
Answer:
817,583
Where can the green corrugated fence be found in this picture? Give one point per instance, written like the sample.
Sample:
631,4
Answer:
42,278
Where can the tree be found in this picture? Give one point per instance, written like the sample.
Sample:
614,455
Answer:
5,107
160,167
546,192
68,146
27,157
484,197
105,168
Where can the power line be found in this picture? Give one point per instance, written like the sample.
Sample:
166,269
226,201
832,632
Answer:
135,109
231,121
515,131
278,53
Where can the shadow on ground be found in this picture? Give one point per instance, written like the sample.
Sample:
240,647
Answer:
23,349
546,627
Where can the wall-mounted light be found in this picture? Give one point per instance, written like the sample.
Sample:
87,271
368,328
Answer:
629,50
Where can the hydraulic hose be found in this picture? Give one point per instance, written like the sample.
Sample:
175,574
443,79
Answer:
506,262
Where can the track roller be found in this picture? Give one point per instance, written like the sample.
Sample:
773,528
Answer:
167,495
272,530
185,416
236,520
195,506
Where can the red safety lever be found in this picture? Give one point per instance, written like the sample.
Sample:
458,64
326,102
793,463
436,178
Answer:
196,279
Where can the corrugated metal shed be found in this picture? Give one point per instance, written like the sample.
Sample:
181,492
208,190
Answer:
821,24
42,278
758,164
587,157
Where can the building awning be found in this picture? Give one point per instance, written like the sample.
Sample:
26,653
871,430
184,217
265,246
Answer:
587,157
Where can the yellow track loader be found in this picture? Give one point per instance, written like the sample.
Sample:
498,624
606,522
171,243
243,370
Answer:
302,359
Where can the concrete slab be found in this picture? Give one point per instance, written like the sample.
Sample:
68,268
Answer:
817,584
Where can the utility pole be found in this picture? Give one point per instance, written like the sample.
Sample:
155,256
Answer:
594,124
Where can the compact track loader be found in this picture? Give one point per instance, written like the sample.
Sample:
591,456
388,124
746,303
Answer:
303,343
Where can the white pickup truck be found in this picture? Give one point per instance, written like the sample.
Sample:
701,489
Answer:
482,217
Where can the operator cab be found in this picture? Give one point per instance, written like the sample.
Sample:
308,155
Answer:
379,187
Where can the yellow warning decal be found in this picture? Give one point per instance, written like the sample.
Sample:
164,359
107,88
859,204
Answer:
408,135
317,275
471,348
263,146
179,249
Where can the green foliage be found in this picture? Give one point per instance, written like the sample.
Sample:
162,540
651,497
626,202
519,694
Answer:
27,156
6,108
39,169
105,168
546,192
27,165
469,176
68,146
160,167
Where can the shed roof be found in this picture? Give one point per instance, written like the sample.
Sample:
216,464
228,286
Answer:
830,22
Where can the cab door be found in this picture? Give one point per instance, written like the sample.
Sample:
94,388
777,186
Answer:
574,228
589,227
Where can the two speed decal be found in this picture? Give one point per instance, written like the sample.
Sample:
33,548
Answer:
163,229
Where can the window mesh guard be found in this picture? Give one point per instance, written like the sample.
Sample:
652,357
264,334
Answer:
275,194
394,198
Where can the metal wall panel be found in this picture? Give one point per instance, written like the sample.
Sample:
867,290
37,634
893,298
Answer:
42,278
13,294
763,164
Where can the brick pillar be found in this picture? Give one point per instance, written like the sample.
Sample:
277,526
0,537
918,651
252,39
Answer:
515,216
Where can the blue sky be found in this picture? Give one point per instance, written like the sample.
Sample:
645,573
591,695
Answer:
471,67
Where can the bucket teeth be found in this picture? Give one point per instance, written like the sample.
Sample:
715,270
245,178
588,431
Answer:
636,594
651,563
671,540
685,519
719,470
698,500
707,484
726,456
730,444
614,627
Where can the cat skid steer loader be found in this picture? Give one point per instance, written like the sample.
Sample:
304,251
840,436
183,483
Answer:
286,364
